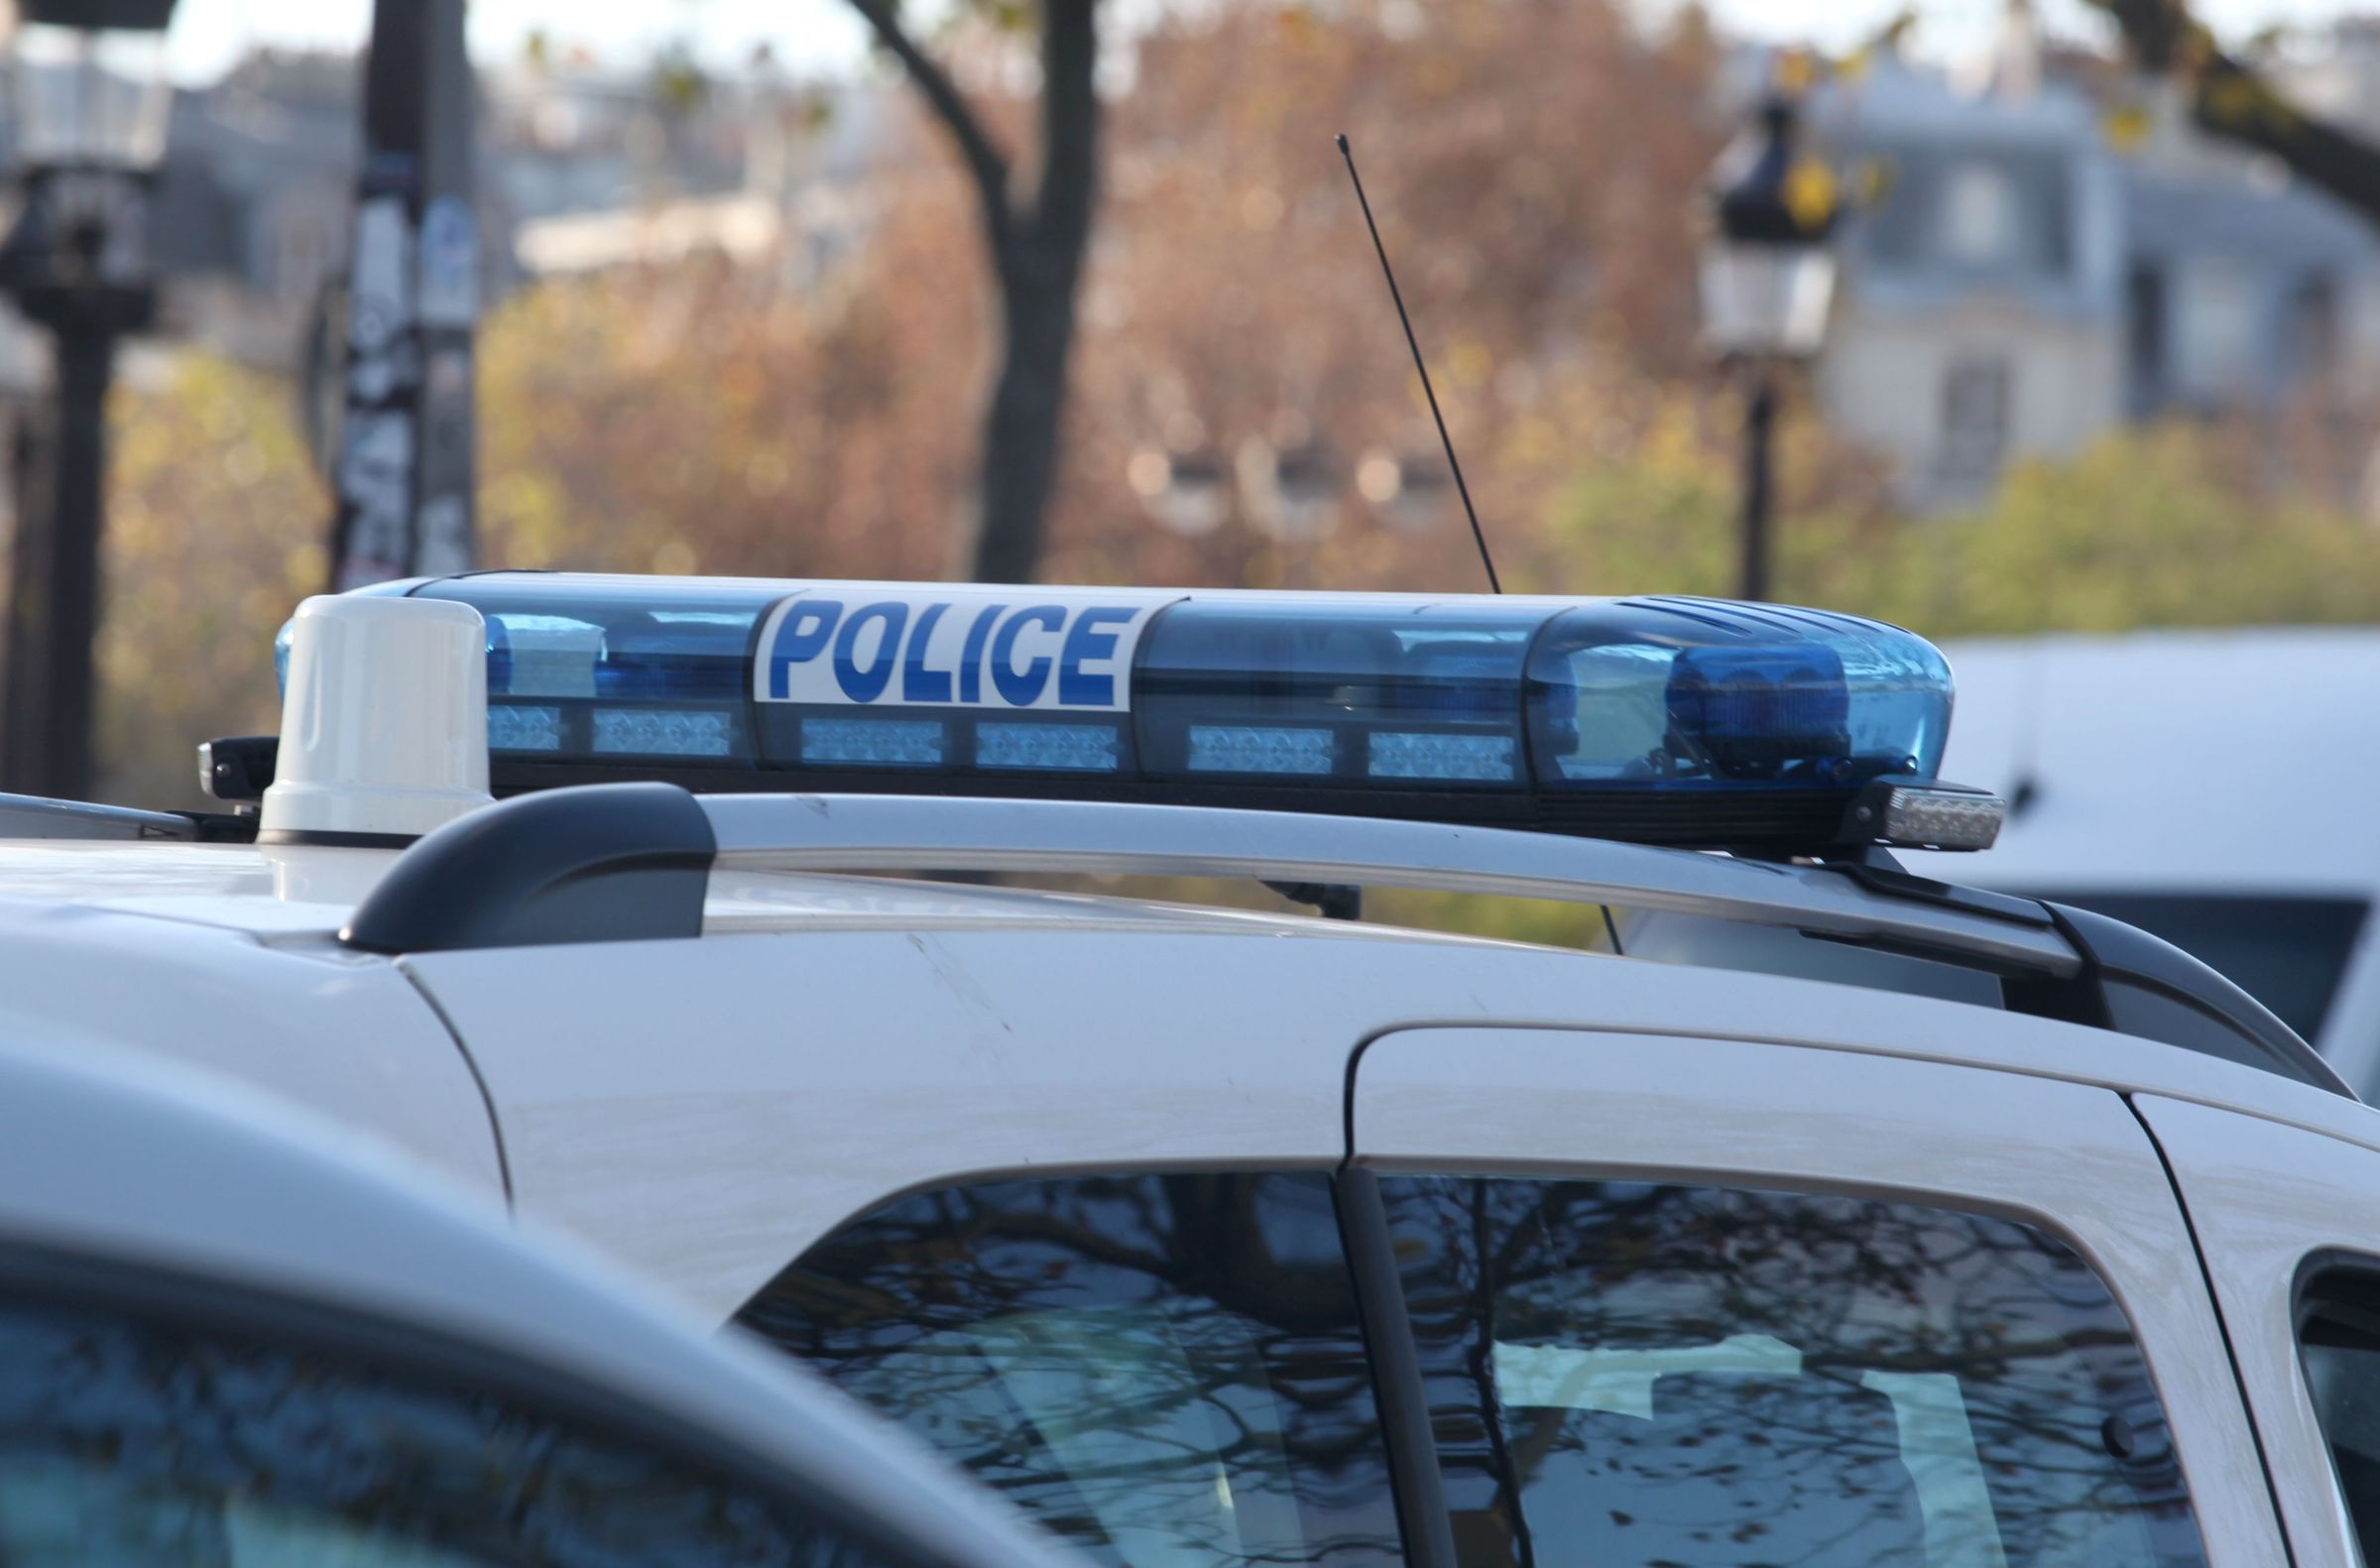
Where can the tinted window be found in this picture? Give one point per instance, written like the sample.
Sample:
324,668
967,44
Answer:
1626,1376
1166,1371
125,1444
2287,953
2339,1340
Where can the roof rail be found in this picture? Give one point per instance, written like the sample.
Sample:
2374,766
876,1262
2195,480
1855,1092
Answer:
39,816
628,862
633,861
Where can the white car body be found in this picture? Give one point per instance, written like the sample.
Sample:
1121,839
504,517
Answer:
708,1109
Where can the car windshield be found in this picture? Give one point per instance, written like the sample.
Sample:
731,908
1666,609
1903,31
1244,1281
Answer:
2289,954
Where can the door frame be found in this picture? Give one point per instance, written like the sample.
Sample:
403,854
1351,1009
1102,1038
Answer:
2067,1158
2270,1202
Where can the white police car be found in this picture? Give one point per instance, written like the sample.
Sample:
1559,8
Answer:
1836,1216
228,1342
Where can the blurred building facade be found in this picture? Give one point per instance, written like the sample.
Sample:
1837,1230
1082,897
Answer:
580,167
1983,298
2056,251
609,169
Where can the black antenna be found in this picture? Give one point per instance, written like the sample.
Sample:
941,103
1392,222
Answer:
1427,391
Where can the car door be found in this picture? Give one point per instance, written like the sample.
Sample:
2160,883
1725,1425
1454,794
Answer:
2290,1224
703,1110
1720,1302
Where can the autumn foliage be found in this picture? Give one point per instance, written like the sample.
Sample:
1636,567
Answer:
1243,413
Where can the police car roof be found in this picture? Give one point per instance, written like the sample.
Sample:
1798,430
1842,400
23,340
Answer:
135,1164
1473,746
649,861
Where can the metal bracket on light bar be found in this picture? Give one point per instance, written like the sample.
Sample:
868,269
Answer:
631,862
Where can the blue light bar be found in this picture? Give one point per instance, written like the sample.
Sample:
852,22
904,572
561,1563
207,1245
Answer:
1664,719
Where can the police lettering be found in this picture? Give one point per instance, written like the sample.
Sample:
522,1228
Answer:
997,654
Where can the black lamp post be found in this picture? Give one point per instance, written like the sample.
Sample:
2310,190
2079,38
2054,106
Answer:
1768,280
89,105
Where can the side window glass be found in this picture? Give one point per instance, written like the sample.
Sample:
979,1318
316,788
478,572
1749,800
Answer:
1627,1375
2338,1343
130,1444
1166,1371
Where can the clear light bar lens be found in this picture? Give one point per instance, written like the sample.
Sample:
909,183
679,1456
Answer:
873,742
1260,749
1069,748
663,732
1468,759
1699,694
1918,818
523,727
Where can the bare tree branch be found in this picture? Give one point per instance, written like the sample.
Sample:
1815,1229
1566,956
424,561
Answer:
2231,99
2154,31
986,164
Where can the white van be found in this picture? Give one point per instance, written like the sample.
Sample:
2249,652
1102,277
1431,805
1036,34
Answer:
2215,787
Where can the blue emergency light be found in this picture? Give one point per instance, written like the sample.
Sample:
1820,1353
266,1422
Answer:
1659,719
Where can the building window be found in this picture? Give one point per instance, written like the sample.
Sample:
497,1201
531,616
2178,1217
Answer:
1976,396
2313,330
1978,215
2213,329
2359,333
2147,324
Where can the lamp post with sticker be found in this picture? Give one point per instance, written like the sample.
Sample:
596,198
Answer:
405,466
88,108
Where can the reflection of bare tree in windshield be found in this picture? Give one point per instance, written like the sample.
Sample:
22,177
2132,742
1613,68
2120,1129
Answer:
1626,1374
1170,1372
1164,1369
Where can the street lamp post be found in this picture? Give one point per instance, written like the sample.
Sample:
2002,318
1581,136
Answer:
1767,283
89,104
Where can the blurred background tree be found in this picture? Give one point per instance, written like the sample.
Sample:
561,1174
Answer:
208,548
1244,411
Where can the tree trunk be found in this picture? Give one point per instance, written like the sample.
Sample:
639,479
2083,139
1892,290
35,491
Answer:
1022,432
1039,268
1036,252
